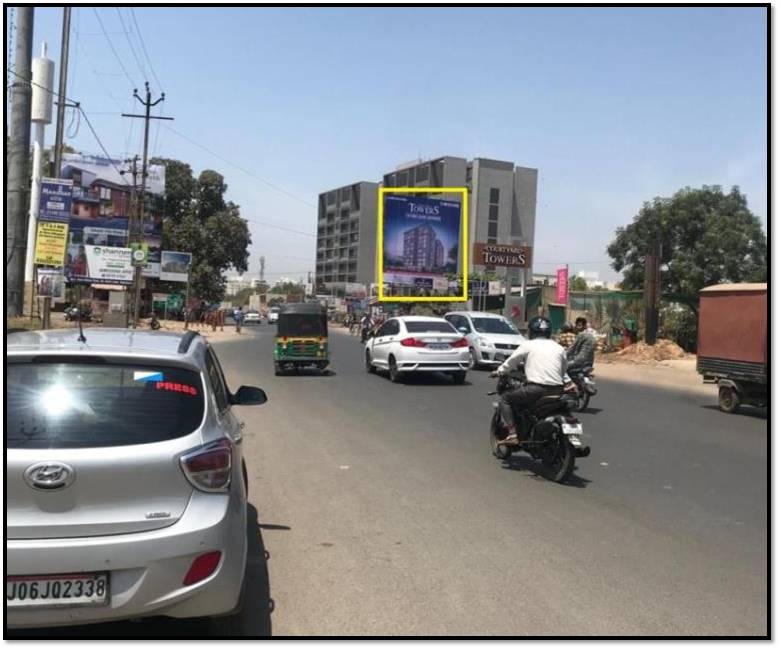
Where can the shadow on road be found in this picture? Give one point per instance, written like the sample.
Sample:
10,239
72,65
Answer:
307,371
749,411
528,465
253,621
428,378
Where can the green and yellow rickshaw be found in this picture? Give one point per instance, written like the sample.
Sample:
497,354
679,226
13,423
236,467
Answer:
301,338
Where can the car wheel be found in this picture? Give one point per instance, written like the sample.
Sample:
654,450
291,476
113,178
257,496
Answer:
369,366
473,358
459,378
395,375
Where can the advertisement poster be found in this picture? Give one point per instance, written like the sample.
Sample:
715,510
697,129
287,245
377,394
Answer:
50,283
175,266
99,265
562,285
101,206
56,200
421,242
50,243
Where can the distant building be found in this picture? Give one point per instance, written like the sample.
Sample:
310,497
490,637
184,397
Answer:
420,248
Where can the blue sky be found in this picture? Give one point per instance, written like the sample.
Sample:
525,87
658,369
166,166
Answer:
613,105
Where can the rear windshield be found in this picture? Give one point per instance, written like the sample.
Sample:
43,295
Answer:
423,326
67,405
493,326
294,324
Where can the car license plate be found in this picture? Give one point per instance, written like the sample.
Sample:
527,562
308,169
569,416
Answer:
572,429
87,589
438,346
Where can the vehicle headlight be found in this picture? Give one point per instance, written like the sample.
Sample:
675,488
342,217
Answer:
484,342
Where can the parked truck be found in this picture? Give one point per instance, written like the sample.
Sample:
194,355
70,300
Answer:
732,343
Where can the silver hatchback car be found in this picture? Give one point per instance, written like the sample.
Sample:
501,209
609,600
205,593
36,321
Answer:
125,485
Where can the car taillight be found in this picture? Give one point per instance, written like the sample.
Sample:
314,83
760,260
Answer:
413,342
208,468
202,567
460,343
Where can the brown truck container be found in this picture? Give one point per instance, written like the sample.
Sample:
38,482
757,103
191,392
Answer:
732,343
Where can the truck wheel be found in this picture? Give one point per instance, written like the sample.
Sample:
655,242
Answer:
728,400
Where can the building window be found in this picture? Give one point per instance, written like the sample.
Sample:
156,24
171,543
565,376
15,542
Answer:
344,214
493,212
402,179
494,195
422,173
331,198
492,229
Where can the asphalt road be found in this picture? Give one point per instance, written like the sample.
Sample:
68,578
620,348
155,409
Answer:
377,509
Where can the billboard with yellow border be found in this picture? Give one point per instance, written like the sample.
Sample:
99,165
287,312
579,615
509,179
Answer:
421,241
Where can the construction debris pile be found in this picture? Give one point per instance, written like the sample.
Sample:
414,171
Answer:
663,350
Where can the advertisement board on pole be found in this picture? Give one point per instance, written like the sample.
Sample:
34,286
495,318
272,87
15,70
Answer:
421,242
175,266
50,283
56,200
562,285
101,265
50,243
494,254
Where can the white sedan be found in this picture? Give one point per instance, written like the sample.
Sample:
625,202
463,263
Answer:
417,344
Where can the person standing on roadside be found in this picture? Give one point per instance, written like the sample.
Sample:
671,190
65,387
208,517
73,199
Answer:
238,316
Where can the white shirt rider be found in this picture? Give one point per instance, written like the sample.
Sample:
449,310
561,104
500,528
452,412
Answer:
544,359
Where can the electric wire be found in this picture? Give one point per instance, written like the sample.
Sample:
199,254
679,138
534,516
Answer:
113,49
143,48
130,43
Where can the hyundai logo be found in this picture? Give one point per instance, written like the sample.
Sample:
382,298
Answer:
49,476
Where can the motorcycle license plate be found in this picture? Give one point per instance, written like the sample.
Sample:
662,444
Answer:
46,591
572,429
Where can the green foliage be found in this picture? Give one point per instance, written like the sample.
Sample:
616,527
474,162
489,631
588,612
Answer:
680,325
706,237
286,288
577,284
198,220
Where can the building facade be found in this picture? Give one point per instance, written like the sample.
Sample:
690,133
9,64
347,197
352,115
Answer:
346,236
502,209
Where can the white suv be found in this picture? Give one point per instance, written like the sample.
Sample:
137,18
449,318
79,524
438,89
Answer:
492,338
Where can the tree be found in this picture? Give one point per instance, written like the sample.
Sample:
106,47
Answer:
453,253
577,283
198,220
705,237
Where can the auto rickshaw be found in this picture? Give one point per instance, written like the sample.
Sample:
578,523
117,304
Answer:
301,338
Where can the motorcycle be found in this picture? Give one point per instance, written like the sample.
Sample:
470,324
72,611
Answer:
548,431
586,387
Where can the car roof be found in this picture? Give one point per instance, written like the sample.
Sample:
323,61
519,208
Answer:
109,341
418,318
477,314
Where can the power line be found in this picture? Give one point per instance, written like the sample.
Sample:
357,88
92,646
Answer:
130,43
279,227
240,168
143,47
108,156
113,49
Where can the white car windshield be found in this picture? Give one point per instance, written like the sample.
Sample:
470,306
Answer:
494,326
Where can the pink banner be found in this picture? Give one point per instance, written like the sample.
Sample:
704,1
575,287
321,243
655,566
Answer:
562,286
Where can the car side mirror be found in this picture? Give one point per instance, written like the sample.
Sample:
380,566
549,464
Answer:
463,330
248,395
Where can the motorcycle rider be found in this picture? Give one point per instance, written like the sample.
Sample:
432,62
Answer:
366,324
545,372
581,354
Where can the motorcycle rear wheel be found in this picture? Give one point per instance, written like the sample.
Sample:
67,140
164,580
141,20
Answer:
558,459
498,450
583,399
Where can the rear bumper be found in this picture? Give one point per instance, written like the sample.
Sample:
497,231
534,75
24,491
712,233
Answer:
146,570
428,366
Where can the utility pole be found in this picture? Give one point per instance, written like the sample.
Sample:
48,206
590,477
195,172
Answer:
147,104
18,168
64,49
133,214
652,293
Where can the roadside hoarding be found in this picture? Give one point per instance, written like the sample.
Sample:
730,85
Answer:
101,204
421,242
56,200
50,243
101,265
50,283
175,266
